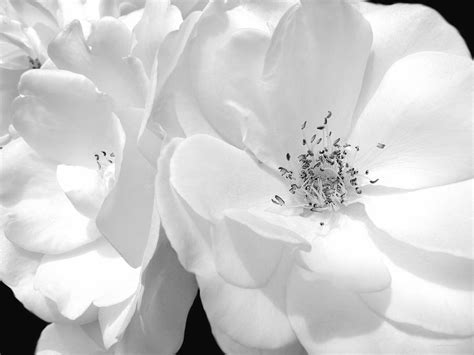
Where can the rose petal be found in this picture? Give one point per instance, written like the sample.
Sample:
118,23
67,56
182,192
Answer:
114,319
64,339
187,232
330,320
212,176
158,327
106,62
422,113
17,269
243,257
431,292
187,6
400,30
125,216
424,303
94,274
230,346
437,219
159,19
8,91
225,61
346,257
37,215
83,187
252,317
63,117
315,64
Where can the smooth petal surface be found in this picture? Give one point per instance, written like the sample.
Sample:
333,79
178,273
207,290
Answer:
243,257
255,318
330,320
315,64
64,118
125,216
37,215
422,112
211,176
17,270
424,303
188,234
64,339
347,258
437,219
400,30
92,275
161,317
159,18
103,59
84,187
114,320
8,91
225,61
431,292
230,346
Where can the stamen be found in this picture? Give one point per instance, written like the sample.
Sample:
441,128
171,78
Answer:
326,178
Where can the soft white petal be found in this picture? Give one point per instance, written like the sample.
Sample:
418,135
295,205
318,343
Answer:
187,232
422,112
159,18
242,256
211,176
431,292
125,216
103,59
230,346
92,275
158,327
437,219
64,339
84,187
345,256
114,320
63,117
330,320
37,216
255,318
400,30
315,64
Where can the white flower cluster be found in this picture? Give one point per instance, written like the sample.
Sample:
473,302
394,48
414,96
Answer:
306,164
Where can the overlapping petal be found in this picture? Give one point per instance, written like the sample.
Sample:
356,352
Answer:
422,112
126,213
37,215
346,257
212,176
400,30
65,118
92,275
437,219
252,317
104,59
315,64
331,320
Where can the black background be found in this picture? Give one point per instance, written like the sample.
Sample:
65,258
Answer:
19,329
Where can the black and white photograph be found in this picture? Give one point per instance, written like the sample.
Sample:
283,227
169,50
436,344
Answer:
241,177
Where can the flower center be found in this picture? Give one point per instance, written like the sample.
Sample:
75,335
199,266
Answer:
106,168
326,177
34,63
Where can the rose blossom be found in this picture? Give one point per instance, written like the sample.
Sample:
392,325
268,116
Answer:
73,181
320,184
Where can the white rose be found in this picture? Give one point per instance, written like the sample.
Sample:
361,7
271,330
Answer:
74,182
326,269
